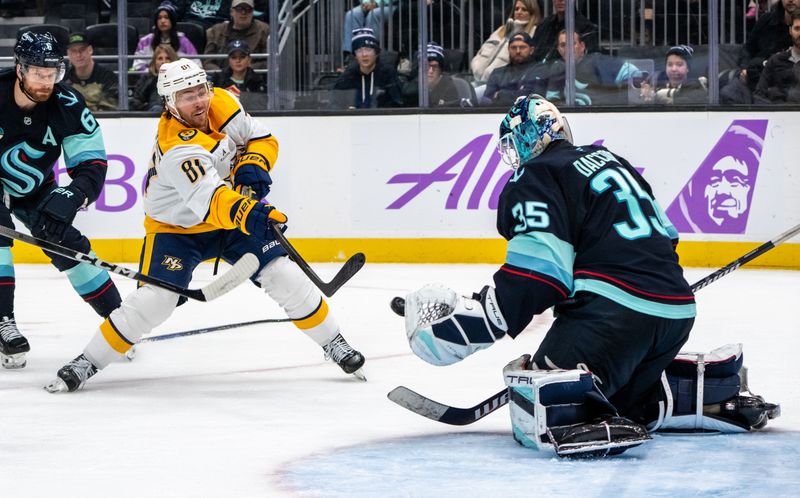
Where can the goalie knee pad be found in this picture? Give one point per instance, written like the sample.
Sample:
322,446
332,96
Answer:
708,393
293,291
444,328
562,410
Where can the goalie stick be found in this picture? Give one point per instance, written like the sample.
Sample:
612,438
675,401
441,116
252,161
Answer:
240,271
345,273
434,410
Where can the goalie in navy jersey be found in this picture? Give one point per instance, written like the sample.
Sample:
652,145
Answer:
587,237
40,117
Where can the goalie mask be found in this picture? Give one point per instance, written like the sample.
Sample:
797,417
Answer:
176,76
531,125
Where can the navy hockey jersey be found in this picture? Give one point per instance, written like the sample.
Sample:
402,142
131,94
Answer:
31,142
583,219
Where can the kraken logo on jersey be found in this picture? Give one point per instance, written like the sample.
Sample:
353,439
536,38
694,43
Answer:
20,178
2,133
172,263
187,135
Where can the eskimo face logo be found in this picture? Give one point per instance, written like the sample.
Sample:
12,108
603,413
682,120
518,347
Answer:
172,263
20,178
187,135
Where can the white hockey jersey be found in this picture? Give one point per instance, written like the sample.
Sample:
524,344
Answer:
189,178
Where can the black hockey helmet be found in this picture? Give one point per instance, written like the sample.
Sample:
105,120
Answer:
40,50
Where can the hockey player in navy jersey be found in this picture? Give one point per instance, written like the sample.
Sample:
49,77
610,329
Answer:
40,117
586,236
208,154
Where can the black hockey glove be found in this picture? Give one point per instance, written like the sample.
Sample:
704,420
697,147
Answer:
56,212
252,174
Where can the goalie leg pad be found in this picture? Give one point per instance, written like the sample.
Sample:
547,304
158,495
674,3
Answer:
444,328
707,393
284,282
563,411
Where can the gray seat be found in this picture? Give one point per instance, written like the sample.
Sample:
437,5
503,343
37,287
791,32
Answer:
465,91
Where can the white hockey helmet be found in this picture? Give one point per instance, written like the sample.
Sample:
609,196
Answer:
176,76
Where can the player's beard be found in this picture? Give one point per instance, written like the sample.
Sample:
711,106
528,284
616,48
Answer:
36,95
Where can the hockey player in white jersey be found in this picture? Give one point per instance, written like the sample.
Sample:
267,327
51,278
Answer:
208,152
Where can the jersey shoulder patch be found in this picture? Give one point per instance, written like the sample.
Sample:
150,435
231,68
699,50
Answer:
173,133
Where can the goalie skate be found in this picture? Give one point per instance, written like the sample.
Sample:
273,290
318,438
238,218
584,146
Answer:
13,345
72,376
348,359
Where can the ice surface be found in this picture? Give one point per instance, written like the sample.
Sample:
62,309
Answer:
257,412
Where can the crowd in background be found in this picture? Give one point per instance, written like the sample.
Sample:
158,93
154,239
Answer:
526,54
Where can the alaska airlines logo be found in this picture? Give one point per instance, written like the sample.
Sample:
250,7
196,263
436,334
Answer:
716,199
172,263
20,178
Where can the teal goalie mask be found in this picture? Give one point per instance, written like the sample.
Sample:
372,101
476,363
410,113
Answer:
531,125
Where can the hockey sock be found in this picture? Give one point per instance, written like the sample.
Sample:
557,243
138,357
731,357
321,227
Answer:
95,286
7,283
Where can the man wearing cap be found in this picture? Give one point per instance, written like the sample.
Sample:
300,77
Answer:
242,26
442,91
370,14
375,84
546,37
98,85
521,76
239,78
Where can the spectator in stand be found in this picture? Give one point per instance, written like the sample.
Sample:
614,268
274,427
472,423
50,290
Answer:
242,26
741,87
546,37
599,78
203,12
780,79
98,85
679,87
442,91
165,32
239,76
369,83
145,94
370,14
524,17
522,76
770,35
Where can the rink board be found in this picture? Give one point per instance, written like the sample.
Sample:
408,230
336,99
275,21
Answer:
424,188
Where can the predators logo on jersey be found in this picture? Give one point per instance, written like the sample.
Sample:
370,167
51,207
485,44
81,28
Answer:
187,135
172,263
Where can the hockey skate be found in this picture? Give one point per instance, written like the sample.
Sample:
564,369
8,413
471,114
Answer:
748,411
345,356
72,376
13,345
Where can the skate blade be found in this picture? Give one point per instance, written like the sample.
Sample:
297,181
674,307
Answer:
57,386
359,374
13,361
131,353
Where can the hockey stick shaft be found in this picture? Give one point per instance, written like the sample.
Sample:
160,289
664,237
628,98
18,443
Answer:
215,328
233,277
345,273
434,410
750,256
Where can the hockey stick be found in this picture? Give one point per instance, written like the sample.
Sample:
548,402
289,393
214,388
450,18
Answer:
434,410
345,273
240,271
215,328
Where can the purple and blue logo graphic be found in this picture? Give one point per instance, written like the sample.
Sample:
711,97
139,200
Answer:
718,196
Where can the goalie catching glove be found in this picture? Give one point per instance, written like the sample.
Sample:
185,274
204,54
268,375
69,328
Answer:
444,328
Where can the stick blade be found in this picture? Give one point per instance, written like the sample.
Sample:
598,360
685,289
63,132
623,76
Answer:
429,408
352,266
241,271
